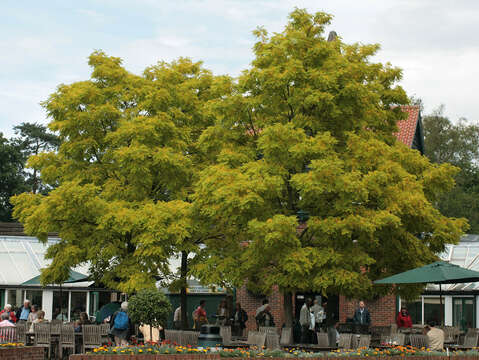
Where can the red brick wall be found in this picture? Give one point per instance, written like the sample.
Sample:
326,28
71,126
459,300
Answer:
383,310
22,353
250,303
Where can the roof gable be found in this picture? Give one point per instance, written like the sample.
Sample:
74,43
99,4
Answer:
408,128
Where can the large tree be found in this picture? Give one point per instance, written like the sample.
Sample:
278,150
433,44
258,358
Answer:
309,129
457,144
124,172
32,139
12,176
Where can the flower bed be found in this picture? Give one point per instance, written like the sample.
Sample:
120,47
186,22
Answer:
165,352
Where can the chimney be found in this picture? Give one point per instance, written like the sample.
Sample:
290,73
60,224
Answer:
332,36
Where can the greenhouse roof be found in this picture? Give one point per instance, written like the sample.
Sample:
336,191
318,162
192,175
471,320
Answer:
466,255
22,257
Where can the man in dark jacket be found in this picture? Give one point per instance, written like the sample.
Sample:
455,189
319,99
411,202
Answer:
361,315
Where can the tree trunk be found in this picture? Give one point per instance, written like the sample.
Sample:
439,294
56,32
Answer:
288,309
35,182
151,333
183,295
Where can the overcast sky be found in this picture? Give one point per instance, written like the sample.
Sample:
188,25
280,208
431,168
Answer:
46,43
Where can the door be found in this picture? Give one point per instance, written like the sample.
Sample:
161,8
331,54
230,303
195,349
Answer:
463,313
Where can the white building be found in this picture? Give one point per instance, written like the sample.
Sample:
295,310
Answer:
22,257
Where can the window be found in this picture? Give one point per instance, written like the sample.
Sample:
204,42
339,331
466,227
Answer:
463,314
415,310
77,304
15,297
432,309
60,306
35,297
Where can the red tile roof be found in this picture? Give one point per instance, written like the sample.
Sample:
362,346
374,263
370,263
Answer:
407,127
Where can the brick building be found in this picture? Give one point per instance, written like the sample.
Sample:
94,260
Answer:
383,310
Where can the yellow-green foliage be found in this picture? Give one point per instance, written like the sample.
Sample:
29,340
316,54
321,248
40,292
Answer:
124,170
310,127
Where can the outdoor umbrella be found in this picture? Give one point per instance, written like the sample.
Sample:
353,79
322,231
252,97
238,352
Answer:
73,277
439,272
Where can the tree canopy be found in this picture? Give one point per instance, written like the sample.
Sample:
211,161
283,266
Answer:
457,144
310,128
124,170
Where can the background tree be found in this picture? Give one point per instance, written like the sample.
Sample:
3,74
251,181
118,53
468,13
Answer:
457,144
150,307
310,128
12,176
33,139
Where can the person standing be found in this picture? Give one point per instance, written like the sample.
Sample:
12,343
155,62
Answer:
265,318
260,310
361,315
177,318
403,319
121,325
240,317
305,321
318,312
199,315
24,311
222,313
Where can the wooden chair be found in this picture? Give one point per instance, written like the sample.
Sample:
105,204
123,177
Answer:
470,340
396,339
345,341
256,338
43,337
55,327
173,336
225,333
22,330
272,341
190,338
286,337
104,333
323,340
8,335
418,341
91,337
268,329
67,339
364,341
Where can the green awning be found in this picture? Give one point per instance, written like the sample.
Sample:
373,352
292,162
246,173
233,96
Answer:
439,272
74,277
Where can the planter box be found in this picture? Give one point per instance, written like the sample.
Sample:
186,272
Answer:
217,357
22,353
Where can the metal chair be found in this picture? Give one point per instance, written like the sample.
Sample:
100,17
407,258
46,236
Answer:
91,337
345,341
43,337
323,340
67,339
286,337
